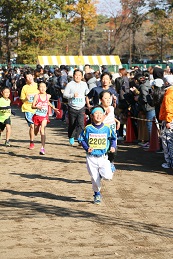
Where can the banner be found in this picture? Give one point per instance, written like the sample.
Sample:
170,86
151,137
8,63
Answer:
79,60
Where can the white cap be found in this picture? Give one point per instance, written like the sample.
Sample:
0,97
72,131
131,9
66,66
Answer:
158,82
169,79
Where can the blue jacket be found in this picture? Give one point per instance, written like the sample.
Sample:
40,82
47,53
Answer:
98,137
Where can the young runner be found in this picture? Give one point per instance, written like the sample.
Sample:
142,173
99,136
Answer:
41,118
5,113
97,139
109,118
27,96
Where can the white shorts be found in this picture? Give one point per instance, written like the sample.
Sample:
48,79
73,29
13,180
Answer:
98,167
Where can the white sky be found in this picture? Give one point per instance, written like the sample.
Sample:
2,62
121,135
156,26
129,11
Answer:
108,7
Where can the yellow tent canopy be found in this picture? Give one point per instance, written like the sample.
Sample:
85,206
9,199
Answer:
79,60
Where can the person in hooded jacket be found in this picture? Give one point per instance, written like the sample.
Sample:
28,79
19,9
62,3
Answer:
158,72
166,116
145,103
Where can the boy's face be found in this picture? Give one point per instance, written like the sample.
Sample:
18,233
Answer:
106,81
6,93
97,117
29,78
87,69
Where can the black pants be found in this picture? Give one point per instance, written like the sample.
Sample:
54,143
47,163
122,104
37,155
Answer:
76,121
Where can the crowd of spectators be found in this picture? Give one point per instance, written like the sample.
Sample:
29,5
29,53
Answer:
137,92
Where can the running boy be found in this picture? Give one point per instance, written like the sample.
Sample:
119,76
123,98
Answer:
5,113
27,96
109,118
40,118
96,139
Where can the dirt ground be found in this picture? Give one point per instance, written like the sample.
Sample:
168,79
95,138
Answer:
46,202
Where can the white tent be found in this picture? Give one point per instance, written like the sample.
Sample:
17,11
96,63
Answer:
79,60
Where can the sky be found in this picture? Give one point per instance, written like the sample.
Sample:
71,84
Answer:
108,7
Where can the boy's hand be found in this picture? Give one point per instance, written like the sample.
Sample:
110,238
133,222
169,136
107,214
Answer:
90,150
112,149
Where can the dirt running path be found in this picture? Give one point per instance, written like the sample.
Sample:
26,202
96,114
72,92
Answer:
47,210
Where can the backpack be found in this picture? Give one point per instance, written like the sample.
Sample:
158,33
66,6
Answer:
119,82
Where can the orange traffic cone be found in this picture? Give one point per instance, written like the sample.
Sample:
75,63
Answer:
154,137
130,134
60,113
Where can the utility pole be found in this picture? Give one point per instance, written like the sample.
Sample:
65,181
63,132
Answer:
109,40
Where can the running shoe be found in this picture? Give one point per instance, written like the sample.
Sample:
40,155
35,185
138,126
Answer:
146,145
42,151
97,199
71,141
141,143
159,152
31,146
165,165
113,168
7,143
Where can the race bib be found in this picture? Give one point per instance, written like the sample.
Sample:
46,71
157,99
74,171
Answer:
78,101
97,141
42,112
113,127
30,98
6,111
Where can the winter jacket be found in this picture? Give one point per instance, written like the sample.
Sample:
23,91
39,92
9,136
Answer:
144,99
166,109
92,82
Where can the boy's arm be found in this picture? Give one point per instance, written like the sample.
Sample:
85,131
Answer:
23,96
113,142
84,145
34,104
118,123
83,142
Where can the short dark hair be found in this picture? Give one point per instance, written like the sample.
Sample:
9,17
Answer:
3,88
28,72
87,65
103,92
88,76
62,67
106,73
77,70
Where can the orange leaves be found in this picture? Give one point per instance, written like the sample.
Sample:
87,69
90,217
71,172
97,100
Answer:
84,10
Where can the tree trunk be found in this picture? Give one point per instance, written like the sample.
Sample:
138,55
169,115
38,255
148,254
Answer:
82,38
133,44
7,39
